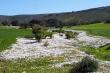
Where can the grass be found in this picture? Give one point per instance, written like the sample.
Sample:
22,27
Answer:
100,29
9,35
40,65
101,53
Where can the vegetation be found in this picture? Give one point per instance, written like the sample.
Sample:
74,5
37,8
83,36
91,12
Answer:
41,32
9,35
102,53
100,29
90,16
48,34
87,65
40,65
69,34
29,36
38,31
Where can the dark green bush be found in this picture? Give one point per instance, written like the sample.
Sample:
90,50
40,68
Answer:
105,56
87,65
108,47
39,32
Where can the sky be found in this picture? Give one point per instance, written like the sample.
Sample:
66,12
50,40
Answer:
16,7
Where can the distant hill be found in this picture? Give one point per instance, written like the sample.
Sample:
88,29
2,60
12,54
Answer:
94,15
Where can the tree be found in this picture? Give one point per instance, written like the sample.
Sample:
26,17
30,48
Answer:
5,23
14,23
23,26
39,32
33,22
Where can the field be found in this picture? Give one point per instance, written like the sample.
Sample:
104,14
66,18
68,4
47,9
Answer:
42,65
100,29
9,35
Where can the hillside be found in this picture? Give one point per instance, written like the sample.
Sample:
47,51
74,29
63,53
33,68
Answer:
95,15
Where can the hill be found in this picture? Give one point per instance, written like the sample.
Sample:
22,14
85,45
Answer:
94,15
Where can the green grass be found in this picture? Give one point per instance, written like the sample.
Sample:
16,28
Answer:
100,53
100,29
9,35
40,65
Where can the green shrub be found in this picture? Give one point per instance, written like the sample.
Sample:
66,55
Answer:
108,47
39,32
48,34
61,30
87,65
105,56
69,34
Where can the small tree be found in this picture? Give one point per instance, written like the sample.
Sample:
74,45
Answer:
87,65
38,31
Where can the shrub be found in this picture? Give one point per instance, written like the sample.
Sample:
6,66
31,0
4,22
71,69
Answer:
48,34
108,47
105,56
61,30
87,65
39,32
69,34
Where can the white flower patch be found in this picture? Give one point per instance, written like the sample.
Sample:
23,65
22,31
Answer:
93,41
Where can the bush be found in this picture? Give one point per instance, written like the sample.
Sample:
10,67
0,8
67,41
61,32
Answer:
69,34
61,30
39,32
108,47
105,56
87,65
48,34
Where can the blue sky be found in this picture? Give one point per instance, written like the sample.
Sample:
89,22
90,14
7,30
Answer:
15,7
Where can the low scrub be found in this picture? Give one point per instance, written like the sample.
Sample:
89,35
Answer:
69,34
87,65
48,34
